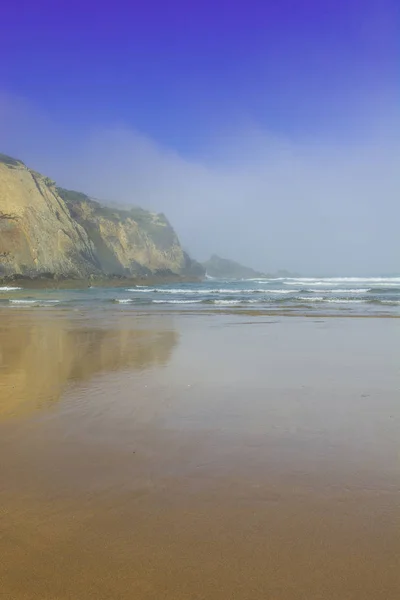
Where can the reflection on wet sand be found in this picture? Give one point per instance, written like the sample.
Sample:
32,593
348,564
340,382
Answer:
256,461
39,356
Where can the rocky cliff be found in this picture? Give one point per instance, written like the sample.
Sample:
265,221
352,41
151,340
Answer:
223,268
49,231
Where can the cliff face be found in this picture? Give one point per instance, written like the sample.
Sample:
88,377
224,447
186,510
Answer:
45,230
37,233
128,242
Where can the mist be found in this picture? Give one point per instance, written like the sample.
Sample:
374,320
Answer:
321,205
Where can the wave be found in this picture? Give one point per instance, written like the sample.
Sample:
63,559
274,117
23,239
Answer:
344,279
285,299
344,301
260,279
219,302
341,281
330,300
339,291
238,302
172,291
302,286
177,301
34,302
232,302
246,291
388,289
208,291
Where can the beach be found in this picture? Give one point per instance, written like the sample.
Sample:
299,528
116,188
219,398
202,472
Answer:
178,454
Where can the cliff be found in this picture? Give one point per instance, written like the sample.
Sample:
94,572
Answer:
222,268
52,232
129,242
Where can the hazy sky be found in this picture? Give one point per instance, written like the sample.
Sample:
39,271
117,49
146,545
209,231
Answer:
267,132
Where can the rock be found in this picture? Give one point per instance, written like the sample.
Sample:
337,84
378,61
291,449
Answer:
51,232
222,268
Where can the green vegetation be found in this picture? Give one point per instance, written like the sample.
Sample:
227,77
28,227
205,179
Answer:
9,161
72,197
154,225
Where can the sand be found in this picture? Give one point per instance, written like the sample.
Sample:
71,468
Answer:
210,456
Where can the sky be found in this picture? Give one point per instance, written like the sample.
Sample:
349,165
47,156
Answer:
267,132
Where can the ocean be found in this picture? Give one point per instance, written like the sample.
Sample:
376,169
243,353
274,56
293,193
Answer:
358,296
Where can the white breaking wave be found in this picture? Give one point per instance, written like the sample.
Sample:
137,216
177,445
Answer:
340,291
344,279
330,300
231,302
260,280
332,281
34,302
220,302
208,292
9,289
176,301
343,301
169,291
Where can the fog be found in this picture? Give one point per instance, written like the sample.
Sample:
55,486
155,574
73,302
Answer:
327,204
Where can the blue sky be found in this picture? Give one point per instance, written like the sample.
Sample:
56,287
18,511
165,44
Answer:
174,69
208,84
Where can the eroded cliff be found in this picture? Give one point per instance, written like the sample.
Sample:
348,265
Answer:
50,231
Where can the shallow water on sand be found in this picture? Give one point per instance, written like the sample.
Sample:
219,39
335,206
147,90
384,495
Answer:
183,456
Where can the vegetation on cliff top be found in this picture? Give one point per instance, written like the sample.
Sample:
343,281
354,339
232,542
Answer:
50,231
9,161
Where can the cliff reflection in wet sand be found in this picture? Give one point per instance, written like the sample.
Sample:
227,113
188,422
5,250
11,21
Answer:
39,355
257,461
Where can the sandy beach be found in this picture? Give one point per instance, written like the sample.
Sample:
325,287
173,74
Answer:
211,456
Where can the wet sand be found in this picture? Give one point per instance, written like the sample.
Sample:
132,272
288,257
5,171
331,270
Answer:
193,456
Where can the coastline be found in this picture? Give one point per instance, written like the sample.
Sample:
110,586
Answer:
170,293
54,283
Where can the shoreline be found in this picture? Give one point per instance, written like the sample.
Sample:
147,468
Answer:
167,293
111,282
207,312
